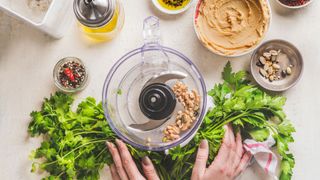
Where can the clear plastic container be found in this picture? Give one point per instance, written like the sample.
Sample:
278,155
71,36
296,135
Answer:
55,20
126,82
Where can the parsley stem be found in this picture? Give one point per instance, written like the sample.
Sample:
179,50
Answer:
88,132
90,142
104,149
218,126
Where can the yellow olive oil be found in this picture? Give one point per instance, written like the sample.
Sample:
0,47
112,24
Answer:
99,20
103,33
169,7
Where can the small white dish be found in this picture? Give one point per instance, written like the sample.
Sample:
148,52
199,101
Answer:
294,7
169,11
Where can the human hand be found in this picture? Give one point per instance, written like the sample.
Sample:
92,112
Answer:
227,165
124,168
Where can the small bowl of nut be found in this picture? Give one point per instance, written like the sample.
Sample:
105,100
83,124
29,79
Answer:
276,65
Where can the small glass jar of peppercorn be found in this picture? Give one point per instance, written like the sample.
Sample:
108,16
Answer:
70,75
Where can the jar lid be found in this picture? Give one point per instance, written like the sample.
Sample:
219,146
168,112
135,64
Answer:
94,13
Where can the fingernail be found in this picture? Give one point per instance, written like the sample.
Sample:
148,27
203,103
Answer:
118,141
109,144
204,144
225,127
146,161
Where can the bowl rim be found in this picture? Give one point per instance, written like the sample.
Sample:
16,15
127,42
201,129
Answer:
195,16
294,7
252,64
171,12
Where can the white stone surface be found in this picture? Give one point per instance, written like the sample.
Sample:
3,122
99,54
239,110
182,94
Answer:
27,58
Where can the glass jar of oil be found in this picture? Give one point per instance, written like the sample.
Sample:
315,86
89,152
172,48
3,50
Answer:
100,20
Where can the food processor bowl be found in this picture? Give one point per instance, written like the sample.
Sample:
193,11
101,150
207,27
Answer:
129,81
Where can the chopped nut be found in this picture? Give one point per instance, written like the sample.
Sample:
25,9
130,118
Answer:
274,53
271,69
263,72
288,71
184,119
262,60
267,55
271,78
276,66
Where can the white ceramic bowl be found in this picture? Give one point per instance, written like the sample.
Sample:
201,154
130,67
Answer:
168,11
195,16
56,21
294,7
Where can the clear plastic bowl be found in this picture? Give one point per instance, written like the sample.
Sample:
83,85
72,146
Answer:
125,75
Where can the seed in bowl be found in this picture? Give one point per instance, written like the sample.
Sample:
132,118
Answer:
270,67
174,3
71,74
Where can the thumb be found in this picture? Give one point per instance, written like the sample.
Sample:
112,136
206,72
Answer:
148,169
201,160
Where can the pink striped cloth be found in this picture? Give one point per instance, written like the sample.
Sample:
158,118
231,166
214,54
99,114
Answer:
262,154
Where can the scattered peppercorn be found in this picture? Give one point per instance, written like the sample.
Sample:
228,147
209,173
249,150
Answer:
174,3
71,75
294,2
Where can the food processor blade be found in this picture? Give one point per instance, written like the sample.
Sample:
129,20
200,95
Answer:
154,88
165,76
152,124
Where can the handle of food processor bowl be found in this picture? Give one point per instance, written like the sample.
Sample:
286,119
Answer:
151,36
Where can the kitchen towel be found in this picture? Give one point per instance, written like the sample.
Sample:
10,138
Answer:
263,155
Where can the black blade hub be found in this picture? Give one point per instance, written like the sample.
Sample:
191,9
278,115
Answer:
157,101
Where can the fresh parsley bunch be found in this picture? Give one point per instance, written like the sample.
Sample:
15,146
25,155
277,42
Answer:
257,114
252,111
74,142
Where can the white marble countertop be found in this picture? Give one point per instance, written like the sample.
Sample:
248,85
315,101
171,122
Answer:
27,58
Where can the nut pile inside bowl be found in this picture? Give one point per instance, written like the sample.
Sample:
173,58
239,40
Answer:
231,28
270,68
190,101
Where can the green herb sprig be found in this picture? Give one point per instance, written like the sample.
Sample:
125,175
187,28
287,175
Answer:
73,144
